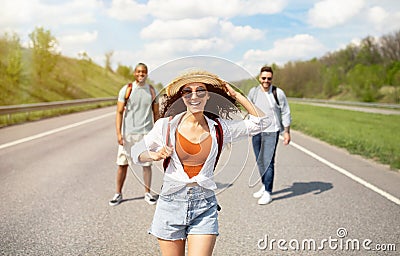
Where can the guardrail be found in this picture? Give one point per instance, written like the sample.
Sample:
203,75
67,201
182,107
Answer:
347,103
26,108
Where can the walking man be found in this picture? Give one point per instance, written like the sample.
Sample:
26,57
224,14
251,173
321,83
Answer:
272,101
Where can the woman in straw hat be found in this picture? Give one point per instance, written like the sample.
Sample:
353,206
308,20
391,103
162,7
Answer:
196,102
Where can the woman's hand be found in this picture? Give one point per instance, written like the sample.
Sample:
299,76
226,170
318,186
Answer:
148,156
251,109
120,139
163,153
231,91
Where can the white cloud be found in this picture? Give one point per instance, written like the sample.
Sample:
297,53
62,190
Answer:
82,38
199,28
299,47
72,12
178,9
69,43
175,47
17,13
12,15
330,13
185,28
383,20
127,10
240,33
377,15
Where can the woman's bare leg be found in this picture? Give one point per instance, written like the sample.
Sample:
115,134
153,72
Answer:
172,248
201,245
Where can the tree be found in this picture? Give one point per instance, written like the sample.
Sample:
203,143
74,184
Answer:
365,81
11,58
84,56
331,81
84,60
109,55
390,47
125,71
369,52
44,52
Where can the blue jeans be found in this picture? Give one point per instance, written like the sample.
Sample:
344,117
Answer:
264,146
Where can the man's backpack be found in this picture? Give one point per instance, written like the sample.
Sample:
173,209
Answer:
275,94
220,141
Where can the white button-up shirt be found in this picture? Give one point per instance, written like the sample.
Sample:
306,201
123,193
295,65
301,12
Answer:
175,178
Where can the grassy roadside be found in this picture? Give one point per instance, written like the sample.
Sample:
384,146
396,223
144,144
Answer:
373,136
18,118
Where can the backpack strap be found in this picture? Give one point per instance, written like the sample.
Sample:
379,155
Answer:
220,140
219,135
275,94
168,143
154,103
153,92
128,93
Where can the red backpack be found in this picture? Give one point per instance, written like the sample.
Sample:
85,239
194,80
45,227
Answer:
220,142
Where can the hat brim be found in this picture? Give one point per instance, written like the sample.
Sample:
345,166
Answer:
194,77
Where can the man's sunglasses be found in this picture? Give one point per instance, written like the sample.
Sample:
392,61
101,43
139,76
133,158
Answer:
200,92
269,78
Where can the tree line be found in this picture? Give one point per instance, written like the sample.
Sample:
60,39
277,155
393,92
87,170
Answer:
367,72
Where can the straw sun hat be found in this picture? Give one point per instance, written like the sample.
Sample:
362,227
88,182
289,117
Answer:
194,76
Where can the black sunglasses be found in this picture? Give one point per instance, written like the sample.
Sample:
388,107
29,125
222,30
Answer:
269,78
201,92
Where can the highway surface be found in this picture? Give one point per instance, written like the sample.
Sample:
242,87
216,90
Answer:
57,175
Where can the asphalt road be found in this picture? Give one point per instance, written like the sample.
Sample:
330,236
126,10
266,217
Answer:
55,189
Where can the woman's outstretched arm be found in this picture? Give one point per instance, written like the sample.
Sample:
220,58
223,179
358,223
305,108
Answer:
250,107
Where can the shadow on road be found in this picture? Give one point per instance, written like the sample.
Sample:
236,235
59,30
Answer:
132,199
301,188
223,185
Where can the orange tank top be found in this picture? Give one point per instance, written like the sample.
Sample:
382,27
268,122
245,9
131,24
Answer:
192,155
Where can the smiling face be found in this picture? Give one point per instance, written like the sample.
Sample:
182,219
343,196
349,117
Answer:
140,73
265,80
195,96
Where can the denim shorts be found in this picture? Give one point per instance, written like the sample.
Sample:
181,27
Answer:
190,211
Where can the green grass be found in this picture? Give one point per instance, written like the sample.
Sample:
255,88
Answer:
71,79
373,136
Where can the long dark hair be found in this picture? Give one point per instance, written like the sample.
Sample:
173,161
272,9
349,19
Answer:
220,104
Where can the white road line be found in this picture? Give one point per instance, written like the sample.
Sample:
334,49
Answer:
15,142
347,173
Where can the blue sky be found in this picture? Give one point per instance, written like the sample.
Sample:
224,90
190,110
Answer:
245,33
